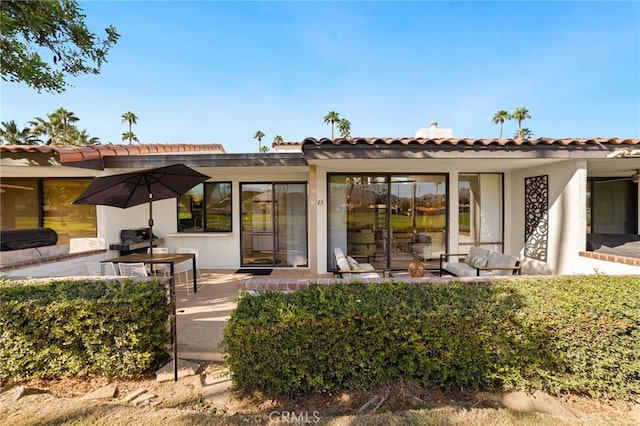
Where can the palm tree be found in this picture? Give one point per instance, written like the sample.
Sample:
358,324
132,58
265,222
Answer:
65,118
500,117
277,139
524,133
130,136
10,135
57,127
132,119
42,127
332,117
259,135
76,137
344,126
520,114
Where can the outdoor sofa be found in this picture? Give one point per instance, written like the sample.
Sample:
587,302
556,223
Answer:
479,262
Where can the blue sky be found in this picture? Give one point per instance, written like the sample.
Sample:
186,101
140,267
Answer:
216,72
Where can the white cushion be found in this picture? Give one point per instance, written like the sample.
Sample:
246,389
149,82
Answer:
365,267
366,275
478,252
501,260
343,263
459,269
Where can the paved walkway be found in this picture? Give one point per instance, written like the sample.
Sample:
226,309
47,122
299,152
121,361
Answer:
201,317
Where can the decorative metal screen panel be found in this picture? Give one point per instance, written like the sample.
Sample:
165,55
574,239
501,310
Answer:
536,220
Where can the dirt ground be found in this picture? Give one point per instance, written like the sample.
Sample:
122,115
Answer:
149,402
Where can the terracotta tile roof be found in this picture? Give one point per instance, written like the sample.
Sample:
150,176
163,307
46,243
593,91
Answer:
70,154
470,142
286,144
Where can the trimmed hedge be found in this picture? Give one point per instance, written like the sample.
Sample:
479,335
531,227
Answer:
559,334
64,328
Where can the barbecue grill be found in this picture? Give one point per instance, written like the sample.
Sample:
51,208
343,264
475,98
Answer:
135,241
19,239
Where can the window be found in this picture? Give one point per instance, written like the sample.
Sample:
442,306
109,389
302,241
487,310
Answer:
33,203
611,206
20,202
206,208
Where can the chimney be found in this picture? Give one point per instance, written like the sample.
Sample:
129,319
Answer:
433,132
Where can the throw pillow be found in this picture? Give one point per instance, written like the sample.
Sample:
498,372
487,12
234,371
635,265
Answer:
353,264
477,261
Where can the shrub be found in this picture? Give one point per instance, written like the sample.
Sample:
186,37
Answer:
561,334
63,328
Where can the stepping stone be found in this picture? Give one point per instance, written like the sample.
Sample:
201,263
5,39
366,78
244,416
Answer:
634,413
185,369
105,392
219,392
518,401
217,376
133,395
538,402
20,391
545,403
144,398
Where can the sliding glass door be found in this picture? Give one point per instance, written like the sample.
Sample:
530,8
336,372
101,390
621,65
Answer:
274,224
387,220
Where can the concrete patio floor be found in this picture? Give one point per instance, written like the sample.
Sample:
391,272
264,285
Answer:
202,316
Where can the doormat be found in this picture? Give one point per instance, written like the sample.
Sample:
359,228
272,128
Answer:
264,261
254,271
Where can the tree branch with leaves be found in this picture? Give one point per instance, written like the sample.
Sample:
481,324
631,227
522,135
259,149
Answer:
30,28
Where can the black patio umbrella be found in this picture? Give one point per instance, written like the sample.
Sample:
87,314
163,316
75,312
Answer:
144,186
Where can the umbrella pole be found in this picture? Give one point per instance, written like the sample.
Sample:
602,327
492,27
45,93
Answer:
150,224
172,294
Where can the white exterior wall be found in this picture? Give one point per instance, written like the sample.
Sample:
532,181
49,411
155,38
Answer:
215,250
320,237
566,217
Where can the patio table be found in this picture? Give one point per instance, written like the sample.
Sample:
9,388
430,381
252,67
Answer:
160,258
170,259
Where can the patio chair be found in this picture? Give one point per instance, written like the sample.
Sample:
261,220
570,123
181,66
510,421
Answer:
159,268
132,269
101,269
187,266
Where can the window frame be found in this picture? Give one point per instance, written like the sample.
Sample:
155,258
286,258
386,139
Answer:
204,230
